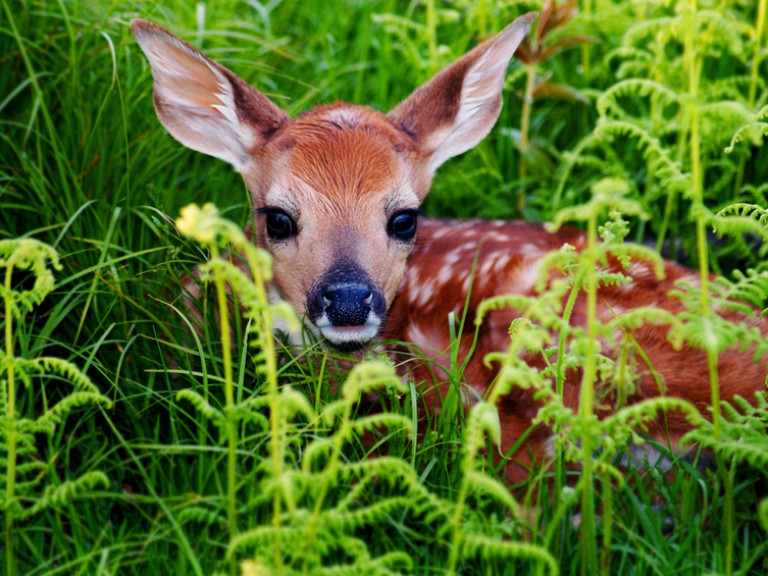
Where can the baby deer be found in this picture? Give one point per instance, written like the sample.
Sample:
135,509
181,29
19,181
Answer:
337,192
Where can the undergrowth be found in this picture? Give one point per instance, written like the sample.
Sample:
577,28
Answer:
144,432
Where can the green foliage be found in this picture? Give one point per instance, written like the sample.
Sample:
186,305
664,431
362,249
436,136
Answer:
743,436
764,514
660,116
32,483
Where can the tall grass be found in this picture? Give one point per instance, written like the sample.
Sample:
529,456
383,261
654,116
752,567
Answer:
220,457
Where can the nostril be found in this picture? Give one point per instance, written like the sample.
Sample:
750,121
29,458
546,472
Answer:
347,304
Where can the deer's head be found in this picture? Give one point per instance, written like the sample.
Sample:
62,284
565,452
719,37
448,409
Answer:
338,188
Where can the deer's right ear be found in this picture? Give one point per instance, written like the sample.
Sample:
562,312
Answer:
202,104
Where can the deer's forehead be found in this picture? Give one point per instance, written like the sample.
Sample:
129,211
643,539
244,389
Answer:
346,155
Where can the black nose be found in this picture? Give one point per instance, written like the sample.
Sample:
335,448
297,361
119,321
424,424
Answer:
347,304
345,296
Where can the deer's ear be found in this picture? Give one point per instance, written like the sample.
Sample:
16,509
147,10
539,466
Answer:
457,108
202,104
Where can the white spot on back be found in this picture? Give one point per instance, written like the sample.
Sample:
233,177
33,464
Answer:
445,276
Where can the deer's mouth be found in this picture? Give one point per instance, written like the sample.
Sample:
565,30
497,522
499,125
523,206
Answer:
348,338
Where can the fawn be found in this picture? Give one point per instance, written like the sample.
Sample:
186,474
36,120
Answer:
337,192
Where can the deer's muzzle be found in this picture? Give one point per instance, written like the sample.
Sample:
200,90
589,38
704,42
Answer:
346,307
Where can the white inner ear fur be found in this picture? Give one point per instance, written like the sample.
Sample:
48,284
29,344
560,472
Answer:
189,88
480,95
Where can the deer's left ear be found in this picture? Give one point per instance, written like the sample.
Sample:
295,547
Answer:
457,108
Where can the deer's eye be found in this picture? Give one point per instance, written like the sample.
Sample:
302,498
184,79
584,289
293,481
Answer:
279,224
402,225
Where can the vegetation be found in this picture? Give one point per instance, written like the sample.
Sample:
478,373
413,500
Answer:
141,436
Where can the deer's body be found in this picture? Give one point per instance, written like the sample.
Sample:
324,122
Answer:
338,189
507,258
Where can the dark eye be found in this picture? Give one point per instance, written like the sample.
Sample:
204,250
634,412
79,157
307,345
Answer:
279,225
402,225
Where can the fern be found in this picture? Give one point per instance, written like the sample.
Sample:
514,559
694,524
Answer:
483,422
743,435
738,219
31,484
608,105
475,545
751,132
751,287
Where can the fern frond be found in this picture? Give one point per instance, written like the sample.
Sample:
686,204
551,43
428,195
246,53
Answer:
607,194
634,87
632,61
369,376
37,257
515,372
293,403
388,420
516,301
240,282
348,520
480,483
201,405
741,449
201,515
724,116
753,133
642,32
751,287
484,547
740,411
265,537
637,317
399,473
726,32
713,332
667,170
636,416
67,492
49,419
741,218
732,88
51,365
483,421
242,413
389,564
742,432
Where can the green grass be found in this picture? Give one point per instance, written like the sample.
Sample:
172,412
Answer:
86,167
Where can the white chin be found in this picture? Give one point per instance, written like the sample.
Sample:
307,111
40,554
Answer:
347,337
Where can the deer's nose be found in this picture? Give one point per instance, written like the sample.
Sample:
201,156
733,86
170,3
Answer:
345,297
347,304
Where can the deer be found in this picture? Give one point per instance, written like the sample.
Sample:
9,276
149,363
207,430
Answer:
336,193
